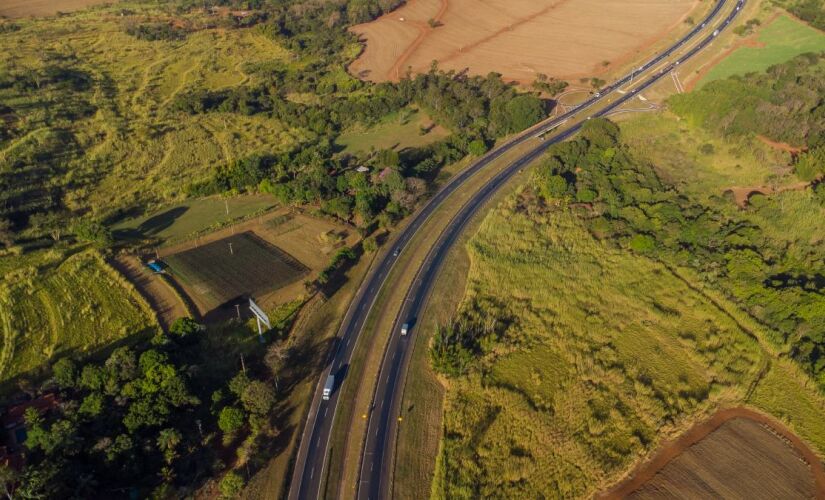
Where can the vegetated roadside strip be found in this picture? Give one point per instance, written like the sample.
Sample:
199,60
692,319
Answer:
670,450
311,460
387,396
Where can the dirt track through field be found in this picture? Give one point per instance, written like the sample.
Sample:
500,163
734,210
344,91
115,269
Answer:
671,451
517,38
423,29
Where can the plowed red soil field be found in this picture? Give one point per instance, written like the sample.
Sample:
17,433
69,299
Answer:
517,38
737,453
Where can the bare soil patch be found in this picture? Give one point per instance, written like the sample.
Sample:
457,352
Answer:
160,296
518,38
737,453
741,195
782,146
25,8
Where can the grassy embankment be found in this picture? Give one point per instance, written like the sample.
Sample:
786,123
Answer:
65,306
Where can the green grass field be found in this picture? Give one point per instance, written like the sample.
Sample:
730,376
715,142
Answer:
134,148
783,39
184,221
73,309
395,131
609,354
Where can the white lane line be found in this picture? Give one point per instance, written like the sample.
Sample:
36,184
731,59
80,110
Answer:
325,411
312,473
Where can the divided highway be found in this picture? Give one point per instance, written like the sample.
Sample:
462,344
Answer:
377,456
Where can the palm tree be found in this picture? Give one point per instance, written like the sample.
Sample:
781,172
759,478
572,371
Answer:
168,440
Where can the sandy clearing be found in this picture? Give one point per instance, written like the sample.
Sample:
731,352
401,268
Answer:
739,452
25,8
518,38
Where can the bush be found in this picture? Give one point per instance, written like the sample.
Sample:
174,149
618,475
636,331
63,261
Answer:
230,419
477,147
642,243
65,373
231,485
183,327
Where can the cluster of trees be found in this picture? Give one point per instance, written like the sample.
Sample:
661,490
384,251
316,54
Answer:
810,11
630,206
747,28
155,31
462,341
478,110
147,420
784,103
550,85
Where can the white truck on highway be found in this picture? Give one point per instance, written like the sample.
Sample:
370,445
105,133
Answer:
328,386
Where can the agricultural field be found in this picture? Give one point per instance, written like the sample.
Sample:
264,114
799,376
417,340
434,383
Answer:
781,39
737,453
518,39
185,221
74,308
24,8
243,264
409,128
109,134
594,367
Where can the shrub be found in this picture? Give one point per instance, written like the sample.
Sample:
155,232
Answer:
477,147
230,419
642,243
65,373
231,485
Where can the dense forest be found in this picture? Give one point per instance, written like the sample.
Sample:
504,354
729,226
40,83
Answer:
155,419
810,11
49,168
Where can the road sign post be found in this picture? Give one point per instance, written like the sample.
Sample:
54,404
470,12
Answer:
260,318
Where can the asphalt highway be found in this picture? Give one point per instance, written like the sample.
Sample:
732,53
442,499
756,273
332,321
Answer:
377,460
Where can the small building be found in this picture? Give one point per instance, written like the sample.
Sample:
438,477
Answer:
14,427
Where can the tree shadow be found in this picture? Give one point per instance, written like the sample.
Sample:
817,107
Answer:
153,225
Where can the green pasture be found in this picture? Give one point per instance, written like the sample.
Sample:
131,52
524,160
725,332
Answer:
780,41
395,131
184,221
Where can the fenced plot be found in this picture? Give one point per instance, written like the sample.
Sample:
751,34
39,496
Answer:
239,265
